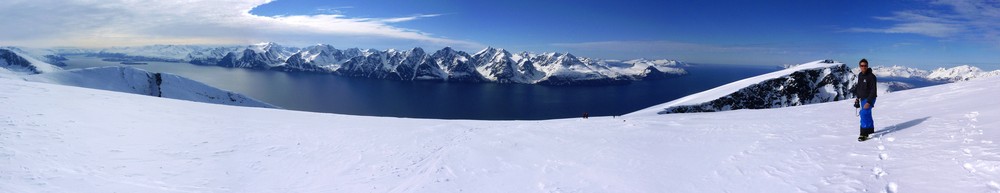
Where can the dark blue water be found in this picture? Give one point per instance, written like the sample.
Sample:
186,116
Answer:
359,96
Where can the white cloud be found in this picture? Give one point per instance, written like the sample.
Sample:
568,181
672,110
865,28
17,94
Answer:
126,22
928,24
960,19
982,17
403,19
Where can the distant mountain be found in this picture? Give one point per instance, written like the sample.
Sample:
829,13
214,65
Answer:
488,65
120,79
898,71
258,56
137,81
15,60
814,82
953,74
960,73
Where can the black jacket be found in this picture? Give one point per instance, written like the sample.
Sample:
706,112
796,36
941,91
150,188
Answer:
866,88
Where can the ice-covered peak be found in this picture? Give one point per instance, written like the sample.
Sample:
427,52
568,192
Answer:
898,71
417,51
487,50
960,73
568,60
264,47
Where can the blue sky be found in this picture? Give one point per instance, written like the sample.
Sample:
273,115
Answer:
751,32
925,34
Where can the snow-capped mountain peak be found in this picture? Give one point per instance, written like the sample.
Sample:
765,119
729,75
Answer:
953,74
898,71
960,73
814,82
490,64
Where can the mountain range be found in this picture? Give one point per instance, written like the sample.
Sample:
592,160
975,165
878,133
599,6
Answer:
495,65
953,74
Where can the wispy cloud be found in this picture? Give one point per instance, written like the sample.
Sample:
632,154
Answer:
126,22
333,10
960,19
410,18
927,23
981,17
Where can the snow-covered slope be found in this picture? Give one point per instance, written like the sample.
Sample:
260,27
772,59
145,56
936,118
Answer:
45,55
813,82
67,139
953,74
14,60
137,81
961,73
898,71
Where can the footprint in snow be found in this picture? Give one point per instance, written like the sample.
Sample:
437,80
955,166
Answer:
892,187
969,167
878,172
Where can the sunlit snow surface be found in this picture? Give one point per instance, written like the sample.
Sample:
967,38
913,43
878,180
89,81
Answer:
66,139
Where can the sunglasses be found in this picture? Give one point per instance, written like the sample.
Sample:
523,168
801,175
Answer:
864,65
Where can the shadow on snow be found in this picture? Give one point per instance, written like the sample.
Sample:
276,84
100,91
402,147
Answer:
900,126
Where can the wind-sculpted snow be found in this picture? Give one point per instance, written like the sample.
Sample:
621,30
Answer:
814,82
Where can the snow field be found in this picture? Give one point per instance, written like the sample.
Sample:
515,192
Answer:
66,139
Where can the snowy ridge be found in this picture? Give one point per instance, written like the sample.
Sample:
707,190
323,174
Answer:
120,79
808,83
961,73
898,71
953,74
56,138
488,65
14,60
45,55
136,81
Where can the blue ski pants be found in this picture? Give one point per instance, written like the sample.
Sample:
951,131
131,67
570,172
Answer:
866,114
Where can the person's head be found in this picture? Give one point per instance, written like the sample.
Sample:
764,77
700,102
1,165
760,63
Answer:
863,64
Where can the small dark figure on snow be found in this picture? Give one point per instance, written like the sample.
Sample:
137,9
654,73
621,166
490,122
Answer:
865,90
586,115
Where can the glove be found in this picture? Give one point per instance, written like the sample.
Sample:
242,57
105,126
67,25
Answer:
856,105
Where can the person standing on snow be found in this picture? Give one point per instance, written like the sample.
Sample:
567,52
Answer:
865,91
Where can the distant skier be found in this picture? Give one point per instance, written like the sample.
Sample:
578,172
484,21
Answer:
865,90
586,115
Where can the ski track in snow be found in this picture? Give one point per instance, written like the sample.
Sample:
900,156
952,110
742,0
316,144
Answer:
65,139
